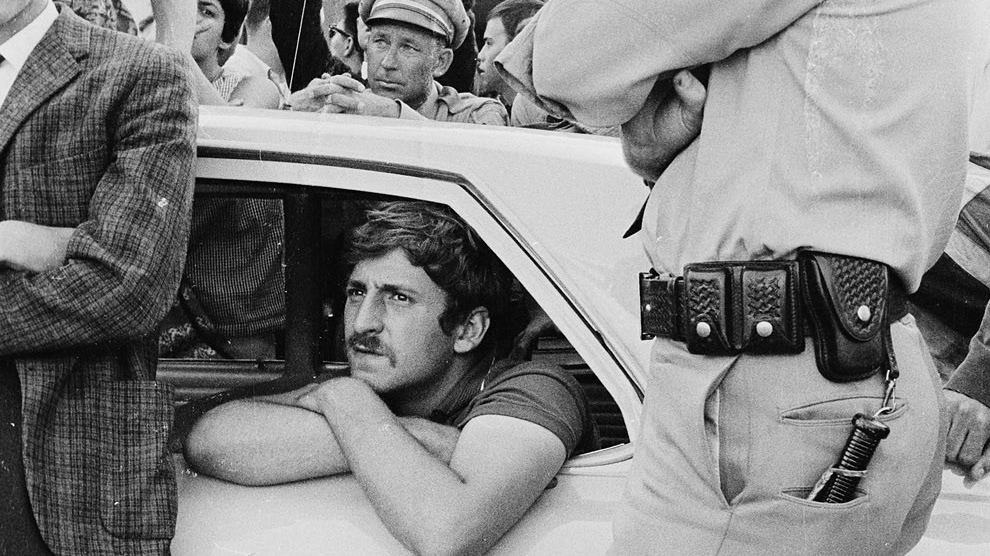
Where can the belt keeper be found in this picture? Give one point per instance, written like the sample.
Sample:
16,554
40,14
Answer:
659,306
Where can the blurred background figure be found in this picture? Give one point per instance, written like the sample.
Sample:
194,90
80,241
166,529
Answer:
460,74
343,40
218,25
109,14
504,22
256,54
230,303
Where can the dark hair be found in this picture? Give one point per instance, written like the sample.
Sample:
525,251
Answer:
350,23
234,12
438,241
514,12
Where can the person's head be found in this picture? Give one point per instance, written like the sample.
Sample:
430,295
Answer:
410,43
218,23
343,38
424,291
505,21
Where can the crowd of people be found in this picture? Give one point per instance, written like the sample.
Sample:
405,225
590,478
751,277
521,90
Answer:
804,122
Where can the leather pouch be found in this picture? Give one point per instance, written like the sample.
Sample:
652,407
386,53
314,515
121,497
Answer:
846,299
735,306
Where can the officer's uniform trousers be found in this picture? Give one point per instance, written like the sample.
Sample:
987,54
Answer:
730,447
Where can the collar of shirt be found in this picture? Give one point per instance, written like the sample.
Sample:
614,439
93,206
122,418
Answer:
16,49
429,107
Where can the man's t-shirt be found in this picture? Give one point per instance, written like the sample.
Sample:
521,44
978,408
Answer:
537,392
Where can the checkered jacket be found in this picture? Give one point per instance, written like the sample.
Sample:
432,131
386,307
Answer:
98,134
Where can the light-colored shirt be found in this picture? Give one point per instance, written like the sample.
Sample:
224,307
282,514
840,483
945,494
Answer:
445,104
16,49
838,125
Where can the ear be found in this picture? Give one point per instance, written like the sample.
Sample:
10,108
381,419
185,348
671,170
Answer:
469,334
444,59
349,46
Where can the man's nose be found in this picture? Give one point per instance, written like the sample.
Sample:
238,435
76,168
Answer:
390,57
368,315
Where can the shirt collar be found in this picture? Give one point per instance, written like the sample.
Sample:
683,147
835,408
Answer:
17,48
429,106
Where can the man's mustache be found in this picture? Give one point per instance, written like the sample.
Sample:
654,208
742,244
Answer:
370,341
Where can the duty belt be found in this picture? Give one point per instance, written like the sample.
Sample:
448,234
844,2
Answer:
722,308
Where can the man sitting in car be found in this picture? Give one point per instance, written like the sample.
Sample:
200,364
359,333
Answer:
411,43
450,444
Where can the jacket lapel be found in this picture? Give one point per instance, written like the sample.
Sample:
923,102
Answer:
51,65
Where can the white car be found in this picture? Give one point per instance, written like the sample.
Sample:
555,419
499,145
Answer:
554,207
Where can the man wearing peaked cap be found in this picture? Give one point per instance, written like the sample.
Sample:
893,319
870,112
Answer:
446,18
411,44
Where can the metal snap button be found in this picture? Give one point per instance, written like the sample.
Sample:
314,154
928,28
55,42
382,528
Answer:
703,329
863,313
764,328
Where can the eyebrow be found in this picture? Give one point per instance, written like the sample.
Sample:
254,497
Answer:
387,288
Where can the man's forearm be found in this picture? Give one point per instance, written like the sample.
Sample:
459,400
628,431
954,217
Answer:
263,443
271,441
400,477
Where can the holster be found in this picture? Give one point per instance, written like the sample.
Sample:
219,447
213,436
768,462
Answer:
846,299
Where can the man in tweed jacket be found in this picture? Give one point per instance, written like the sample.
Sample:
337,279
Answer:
97,135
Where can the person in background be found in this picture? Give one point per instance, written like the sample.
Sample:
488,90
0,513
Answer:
953,309
97,151
231,301
451,444
460,75
298,35
505,20
257,55
109,14
833,146
967,394
407,50
344,40
218,25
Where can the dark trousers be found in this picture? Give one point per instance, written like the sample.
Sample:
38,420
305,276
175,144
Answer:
19,535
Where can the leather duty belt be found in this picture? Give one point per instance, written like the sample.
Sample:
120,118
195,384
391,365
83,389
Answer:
730,307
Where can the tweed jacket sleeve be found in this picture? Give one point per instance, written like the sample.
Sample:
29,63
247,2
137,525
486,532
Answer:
97,134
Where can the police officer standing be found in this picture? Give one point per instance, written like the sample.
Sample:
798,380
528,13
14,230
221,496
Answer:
824,181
